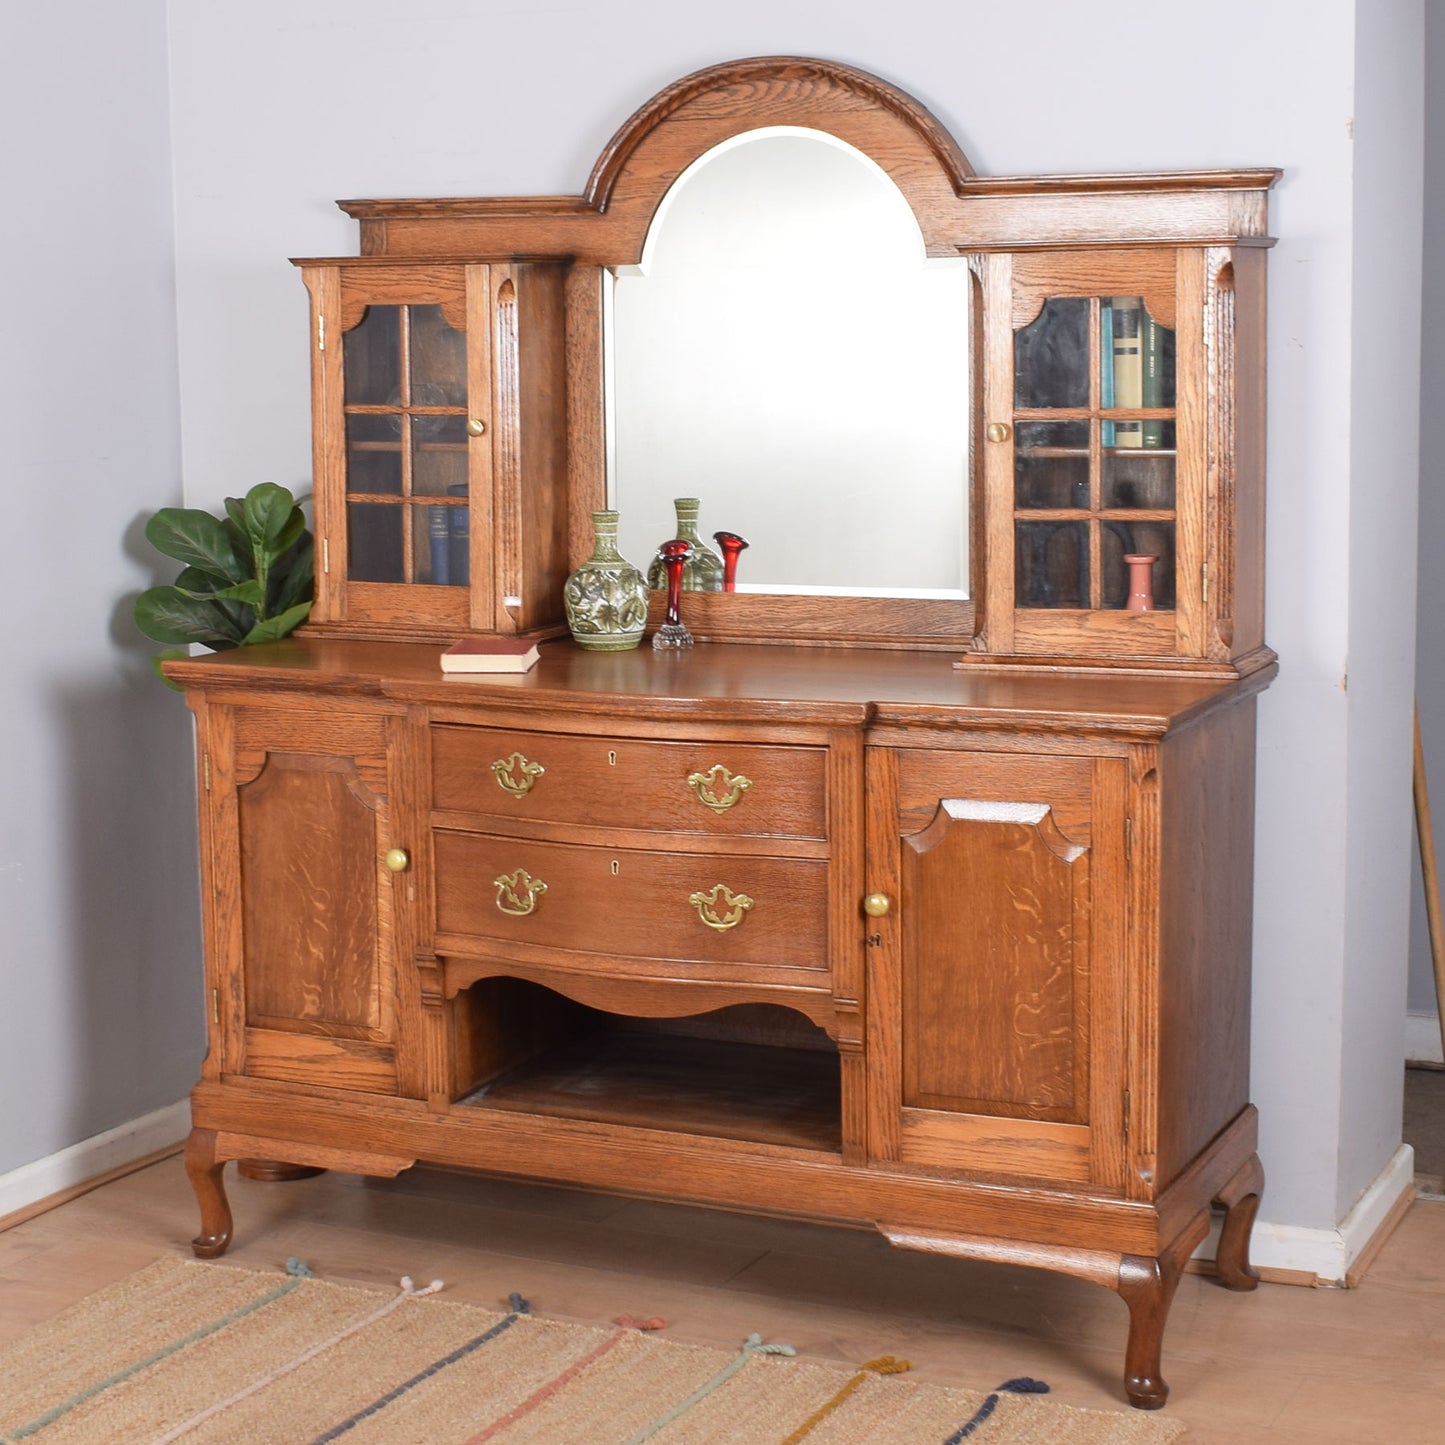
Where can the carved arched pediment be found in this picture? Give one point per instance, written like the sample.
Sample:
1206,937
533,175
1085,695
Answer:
685,121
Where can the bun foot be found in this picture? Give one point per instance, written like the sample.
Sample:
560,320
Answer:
273,1171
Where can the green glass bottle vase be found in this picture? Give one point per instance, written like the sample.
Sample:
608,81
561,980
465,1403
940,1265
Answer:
606,597
703,571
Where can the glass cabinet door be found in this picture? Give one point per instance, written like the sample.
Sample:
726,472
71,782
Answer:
1095,455
405,407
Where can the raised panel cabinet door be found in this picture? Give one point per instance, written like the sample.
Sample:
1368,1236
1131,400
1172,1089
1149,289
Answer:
997,980
305,828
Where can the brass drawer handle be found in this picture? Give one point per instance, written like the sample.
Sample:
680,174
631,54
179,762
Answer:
718,788
517,893
728,916
516,774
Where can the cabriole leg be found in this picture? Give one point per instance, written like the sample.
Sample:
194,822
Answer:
1240,1201
204,1171
1147,1286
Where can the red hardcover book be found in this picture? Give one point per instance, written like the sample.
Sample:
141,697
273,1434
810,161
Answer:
491,654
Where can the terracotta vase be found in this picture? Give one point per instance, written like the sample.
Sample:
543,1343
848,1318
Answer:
1141,581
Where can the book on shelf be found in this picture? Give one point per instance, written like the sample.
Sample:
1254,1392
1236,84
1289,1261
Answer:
449,534
1156,364
1127,312
491,654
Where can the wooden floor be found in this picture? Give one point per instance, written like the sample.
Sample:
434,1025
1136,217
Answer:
1283,1366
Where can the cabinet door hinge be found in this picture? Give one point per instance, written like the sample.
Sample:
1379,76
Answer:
1128,1112
326,554
1128,839
206,770
320,331
1204,581
215,1005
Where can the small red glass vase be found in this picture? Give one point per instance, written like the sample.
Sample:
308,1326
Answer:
672,633
730,545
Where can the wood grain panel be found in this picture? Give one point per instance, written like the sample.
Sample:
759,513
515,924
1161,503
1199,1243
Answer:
987,1145
1206,870
308,857
641,910
630,783
335,1063
995,987
1064,780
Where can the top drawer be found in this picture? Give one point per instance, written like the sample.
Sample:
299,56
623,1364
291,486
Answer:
727,788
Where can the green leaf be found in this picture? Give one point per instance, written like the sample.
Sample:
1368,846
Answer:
279,626
248,592
169,655
295,575
267,511
197,539
168,615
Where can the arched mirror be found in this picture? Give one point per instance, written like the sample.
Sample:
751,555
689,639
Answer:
787,353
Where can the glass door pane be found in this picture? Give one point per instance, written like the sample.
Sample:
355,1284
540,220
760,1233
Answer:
405,400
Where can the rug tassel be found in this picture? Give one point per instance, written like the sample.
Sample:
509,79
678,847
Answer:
519,1305
886,1365
408,1287
629,1323
298,1269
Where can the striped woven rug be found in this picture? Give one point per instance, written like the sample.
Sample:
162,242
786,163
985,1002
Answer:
218,1356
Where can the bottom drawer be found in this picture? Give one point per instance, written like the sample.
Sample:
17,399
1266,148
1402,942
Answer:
633,903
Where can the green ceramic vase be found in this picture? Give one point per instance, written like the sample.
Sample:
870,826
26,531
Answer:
704,569
606,597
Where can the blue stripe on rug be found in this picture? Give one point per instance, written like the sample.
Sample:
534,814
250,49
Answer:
1022,1386
520,1308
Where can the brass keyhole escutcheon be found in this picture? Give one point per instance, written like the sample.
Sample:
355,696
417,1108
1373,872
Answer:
720,907
876,905
516,775
397,859
718,788
998,431
517,893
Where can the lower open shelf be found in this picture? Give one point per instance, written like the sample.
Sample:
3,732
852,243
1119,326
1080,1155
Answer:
653,1079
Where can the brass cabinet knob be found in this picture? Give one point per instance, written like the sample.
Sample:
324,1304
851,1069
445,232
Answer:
397,859
998,431
876,905
476,426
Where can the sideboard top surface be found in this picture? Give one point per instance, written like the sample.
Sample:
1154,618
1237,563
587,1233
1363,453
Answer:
829,686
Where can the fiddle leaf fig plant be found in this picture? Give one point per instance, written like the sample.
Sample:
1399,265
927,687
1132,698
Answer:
246,577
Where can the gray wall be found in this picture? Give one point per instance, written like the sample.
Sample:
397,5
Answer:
100,1018
1430,645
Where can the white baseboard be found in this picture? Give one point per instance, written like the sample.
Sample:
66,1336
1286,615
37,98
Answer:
1422,1039
99,1154
1327,1253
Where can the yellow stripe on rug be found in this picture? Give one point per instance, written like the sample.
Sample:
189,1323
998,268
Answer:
203,1354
